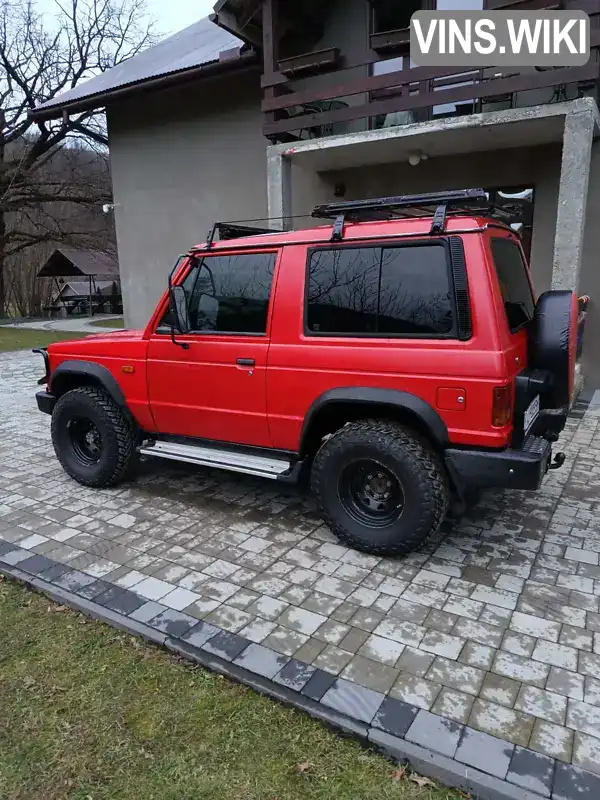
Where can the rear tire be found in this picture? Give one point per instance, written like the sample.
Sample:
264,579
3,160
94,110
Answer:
92,438
380,487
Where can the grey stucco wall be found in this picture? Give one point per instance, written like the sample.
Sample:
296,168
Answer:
590,272
180,161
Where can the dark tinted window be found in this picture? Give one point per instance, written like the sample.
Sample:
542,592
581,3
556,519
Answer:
230,294
403,291
391,15
415,295
342,290
513,282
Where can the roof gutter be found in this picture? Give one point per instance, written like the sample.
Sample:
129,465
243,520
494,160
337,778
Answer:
226,63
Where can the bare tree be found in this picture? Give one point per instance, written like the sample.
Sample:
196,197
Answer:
47,166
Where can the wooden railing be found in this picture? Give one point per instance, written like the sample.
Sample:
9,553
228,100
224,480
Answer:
419,89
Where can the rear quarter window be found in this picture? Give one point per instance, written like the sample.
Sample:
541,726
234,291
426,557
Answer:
513,281
403,291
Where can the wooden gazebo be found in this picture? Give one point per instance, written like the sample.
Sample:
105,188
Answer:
99,271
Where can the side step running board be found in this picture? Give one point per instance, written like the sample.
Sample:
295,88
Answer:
263,466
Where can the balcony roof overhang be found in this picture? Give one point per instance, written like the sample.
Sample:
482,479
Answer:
492,130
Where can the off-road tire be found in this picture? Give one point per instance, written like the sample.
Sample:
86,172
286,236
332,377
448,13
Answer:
412,461
118,437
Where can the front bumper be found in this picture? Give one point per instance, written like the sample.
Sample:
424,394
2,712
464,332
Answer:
45,402
506,469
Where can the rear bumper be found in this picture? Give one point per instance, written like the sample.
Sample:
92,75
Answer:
509,469
45,402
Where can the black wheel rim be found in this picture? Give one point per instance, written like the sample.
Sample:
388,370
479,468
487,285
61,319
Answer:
371,493
85,439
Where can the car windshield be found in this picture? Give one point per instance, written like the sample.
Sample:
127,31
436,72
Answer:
513,281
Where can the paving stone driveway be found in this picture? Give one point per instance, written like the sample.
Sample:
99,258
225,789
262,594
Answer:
496,623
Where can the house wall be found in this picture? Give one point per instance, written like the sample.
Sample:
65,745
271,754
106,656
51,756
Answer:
182,160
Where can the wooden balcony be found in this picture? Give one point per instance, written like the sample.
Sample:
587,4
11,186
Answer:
329,107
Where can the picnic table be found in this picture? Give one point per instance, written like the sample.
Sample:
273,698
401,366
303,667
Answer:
80,304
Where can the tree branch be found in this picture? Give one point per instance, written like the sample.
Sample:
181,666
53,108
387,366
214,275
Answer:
54,175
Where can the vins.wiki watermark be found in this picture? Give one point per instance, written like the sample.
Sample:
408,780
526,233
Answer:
500,38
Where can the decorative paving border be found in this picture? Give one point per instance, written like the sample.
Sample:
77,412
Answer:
432,745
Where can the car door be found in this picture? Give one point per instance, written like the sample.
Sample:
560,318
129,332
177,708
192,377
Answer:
211,383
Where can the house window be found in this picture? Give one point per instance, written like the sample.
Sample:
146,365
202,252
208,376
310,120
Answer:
391,15
467,106
460,5
396,292
520,202
229,294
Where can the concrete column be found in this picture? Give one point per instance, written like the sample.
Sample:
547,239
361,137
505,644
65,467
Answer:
572,198
279,189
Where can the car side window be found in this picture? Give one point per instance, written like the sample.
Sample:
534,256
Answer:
343,285
415,296
229,293
399,291
514,283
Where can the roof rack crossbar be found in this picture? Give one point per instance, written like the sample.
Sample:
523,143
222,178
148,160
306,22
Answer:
353,207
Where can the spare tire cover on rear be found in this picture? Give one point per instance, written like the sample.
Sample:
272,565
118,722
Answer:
553,343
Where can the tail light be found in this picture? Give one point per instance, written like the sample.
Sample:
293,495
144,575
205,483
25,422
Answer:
501,406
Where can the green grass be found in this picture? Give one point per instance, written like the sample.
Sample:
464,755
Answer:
25,338
89,713
115,322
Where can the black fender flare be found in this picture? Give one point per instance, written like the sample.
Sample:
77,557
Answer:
88,369
390,398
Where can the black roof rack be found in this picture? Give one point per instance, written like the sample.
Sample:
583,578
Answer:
432,204
437,205
235,230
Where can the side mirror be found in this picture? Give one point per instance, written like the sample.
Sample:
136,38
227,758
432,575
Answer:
179,308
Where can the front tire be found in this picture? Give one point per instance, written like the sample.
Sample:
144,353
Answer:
380,487
92,438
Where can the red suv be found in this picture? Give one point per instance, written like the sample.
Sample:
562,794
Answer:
397,356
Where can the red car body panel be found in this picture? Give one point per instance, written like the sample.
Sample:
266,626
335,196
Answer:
115,351
203,392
